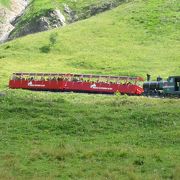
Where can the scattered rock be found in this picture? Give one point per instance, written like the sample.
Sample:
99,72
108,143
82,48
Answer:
71,15
67,9
99,9
2,94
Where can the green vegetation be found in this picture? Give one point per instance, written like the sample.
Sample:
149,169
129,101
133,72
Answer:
39,8
115,42
88,136
58,135
5,3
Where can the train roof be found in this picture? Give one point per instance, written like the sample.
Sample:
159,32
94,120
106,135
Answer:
79,75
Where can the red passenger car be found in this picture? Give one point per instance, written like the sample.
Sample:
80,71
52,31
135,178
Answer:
76,83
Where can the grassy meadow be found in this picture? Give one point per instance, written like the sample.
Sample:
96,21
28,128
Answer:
47,135
80,136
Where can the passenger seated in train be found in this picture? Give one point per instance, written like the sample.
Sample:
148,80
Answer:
42,78
75,79
54,79
60,78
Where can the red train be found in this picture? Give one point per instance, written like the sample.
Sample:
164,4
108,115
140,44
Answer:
76,83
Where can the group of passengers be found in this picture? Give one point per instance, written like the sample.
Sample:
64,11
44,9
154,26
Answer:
22,78
42,78
62,78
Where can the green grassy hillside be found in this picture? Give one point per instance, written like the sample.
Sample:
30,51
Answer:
133,39
78,136
5,3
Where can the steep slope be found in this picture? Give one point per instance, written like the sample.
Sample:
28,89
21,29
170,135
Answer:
129,40
44,15
9,10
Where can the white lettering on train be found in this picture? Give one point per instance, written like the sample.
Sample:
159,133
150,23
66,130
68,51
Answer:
93,86
35,85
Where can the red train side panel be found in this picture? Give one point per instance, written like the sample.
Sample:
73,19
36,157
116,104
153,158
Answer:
96,87
36,85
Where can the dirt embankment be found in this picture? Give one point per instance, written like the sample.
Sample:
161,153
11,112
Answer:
8,15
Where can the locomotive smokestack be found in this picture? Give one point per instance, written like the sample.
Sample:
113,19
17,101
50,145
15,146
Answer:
148,77
159,78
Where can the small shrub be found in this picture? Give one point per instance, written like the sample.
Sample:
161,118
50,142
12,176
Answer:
52,42
1,57
7,47
118,94
139,162
53,39
45,49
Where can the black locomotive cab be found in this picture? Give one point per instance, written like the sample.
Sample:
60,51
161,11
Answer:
173,86
177,83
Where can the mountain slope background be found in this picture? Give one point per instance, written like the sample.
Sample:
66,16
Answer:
129,40
82,136
44,15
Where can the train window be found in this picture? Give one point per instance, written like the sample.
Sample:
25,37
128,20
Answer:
171,80
177,84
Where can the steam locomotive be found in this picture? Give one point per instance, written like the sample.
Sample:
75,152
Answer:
160,87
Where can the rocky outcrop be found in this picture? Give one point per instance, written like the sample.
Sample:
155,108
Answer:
89,11
57,18
51,19
7,15
104,7
71,16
